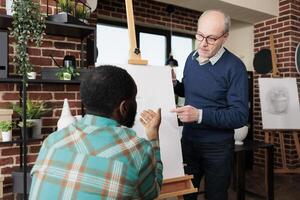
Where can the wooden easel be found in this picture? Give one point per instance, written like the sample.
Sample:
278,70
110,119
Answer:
134,52
177,187
174,187
269,134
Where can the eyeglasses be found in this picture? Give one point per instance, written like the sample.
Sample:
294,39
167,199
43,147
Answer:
208,39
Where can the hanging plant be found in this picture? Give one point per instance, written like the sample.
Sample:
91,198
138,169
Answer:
28,25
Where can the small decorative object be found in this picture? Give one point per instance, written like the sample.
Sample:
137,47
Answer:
66,118
67,73
31,75
27,25
92,4
34,112
240,134
6,129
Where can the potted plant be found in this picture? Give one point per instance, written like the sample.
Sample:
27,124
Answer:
81,13
66,5
6,130
67,73
27,25
34,111
29,127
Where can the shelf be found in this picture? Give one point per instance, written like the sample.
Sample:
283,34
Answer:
39,81
19,141
11,142
54,28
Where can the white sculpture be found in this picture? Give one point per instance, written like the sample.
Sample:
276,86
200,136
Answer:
240,134
66,118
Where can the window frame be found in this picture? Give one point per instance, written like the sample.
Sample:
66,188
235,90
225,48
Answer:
150,30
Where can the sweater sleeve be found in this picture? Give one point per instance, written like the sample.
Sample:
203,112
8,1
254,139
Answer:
179,88
235,114
150,174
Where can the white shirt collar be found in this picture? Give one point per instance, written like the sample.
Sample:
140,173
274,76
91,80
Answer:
213,59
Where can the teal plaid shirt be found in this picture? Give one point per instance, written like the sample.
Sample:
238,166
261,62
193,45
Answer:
96,158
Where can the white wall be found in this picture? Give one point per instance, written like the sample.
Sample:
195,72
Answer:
240,42
266,6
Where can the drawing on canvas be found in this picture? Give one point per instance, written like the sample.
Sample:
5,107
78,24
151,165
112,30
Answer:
279,103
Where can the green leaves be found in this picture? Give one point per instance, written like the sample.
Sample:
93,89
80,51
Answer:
70,70
27,25
6,125
34,110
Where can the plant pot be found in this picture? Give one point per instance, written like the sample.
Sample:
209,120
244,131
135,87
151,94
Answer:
37,128
29,132
67,76
6,136
31,75
18,180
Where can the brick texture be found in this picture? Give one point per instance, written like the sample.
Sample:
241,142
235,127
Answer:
286,31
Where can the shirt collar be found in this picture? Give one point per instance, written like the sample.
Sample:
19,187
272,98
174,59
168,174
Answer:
213,60
89,119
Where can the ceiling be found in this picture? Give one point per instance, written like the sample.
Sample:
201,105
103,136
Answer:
251,15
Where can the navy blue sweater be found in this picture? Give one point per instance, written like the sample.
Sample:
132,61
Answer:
221,91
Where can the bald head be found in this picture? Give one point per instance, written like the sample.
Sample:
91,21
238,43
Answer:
216,16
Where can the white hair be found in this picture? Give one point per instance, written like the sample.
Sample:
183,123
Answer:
227,20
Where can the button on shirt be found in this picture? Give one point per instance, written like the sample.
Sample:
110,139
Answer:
96,158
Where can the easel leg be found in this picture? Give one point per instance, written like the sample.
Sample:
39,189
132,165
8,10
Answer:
296,140
269,173
282,147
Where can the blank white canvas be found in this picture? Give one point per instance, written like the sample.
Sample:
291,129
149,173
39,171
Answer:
155,90
279,103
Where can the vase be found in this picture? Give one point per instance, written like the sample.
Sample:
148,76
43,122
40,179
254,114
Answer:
67,76
6,136
66,118
240,134
29,131
37,128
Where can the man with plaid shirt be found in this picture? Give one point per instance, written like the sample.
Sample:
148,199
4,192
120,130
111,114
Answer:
100,157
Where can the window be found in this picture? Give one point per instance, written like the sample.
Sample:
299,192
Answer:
153,48
181,48
155,45
112,44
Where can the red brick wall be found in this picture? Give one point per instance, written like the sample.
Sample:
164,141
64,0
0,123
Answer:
286,32
148,13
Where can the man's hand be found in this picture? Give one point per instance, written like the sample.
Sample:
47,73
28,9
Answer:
151,121
187,113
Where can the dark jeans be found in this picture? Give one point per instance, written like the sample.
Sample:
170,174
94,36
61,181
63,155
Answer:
213,160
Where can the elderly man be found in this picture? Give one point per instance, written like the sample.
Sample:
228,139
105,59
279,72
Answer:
100,157
215,86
